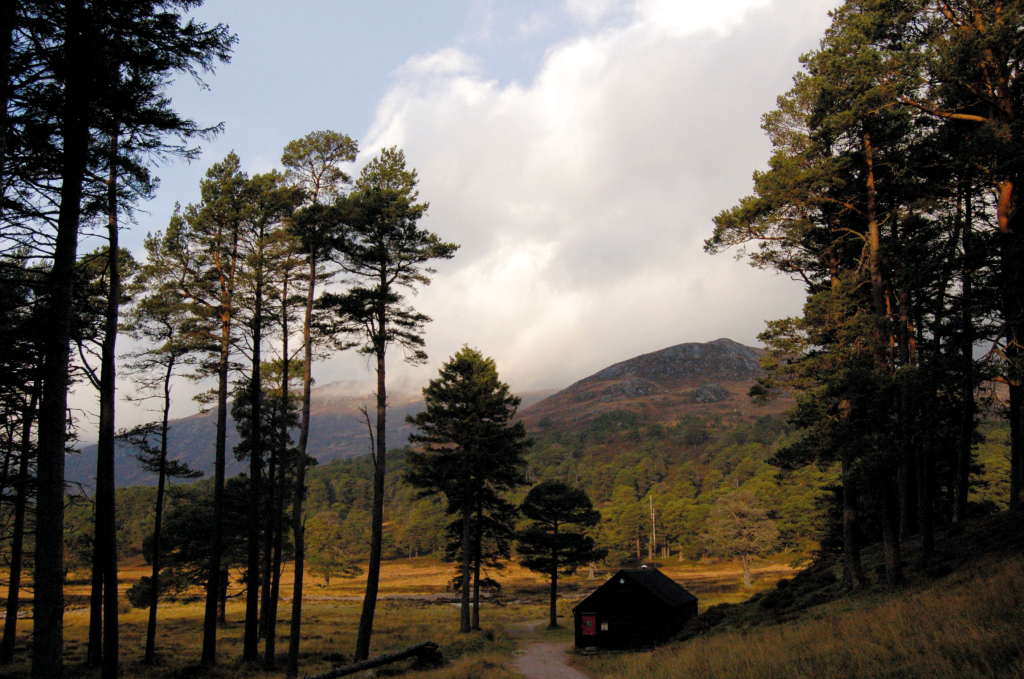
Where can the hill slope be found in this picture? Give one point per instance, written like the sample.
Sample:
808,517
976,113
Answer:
337,431
710,378
960,615
693,379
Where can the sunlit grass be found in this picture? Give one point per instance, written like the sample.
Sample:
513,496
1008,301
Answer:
331,614
967,625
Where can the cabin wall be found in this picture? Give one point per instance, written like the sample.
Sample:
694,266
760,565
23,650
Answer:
635,618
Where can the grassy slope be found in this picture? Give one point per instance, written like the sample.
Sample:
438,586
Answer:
961,615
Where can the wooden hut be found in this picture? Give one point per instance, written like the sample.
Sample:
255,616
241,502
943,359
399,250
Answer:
636,608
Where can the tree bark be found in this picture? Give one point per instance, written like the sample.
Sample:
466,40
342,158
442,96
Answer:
18,534
553,608
890,539
465,624
852,571
747,580
213,584
926,495
8,21
1015,445
270,649
48,609
250,649
966,438
477,554
105,535
154,578
377,518
268,544
298,529
425,650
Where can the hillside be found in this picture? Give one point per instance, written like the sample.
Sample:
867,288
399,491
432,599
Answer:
337,431
693,379
960,615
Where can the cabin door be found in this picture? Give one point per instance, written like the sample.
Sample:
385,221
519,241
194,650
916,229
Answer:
589,624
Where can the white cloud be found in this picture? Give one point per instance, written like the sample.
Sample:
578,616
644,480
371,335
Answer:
689,16
582,199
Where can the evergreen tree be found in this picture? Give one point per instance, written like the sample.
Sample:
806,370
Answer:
471,452
382,251
159,319
546,546
313,164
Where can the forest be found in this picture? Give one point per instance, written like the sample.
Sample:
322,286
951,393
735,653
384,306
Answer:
891,194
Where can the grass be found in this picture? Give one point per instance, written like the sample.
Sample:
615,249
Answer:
331,615
960,616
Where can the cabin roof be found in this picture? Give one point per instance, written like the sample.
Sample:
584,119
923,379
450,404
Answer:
654,581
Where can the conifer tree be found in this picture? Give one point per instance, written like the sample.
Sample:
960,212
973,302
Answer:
159,319
382,251
472,452
546,546
312,164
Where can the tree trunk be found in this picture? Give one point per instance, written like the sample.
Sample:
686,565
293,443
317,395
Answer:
154,578
925,496
553,610
1011,252
1015,444
250,649
269,655
213,584
105,540
48,608
853,575
477,549
965,440
18,534
222,602
465,624
270,650
298,529
268,544
8,21
379,471
890,539
747,580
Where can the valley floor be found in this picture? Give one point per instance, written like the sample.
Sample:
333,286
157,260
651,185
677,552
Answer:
414,608
960,615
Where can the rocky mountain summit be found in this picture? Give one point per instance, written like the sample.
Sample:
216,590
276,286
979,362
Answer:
697,378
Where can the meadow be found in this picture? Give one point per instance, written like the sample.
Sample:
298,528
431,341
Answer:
331,613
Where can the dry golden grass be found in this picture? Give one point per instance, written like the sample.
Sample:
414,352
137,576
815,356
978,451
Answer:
330,620
968,625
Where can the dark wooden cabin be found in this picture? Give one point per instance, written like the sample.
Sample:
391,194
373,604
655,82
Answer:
636,608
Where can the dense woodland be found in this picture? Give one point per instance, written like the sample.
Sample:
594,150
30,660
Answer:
892,193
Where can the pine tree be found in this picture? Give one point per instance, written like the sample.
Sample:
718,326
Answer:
546,546
472,452
382,251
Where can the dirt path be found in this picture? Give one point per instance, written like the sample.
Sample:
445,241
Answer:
537,659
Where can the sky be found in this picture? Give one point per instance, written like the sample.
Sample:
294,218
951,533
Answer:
576,150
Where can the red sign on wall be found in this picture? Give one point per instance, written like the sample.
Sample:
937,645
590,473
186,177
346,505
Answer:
589,625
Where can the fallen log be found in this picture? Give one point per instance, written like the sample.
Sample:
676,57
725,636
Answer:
426,652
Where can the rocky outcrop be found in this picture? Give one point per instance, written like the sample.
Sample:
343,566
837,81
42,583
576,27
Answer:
711,393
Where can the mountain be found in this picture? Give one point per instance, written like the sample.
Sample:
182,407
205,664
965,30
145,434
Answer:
337,431
703,379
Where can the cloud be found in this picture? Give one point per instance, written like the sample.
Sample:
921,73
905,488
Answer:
582,199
